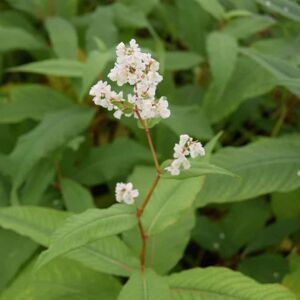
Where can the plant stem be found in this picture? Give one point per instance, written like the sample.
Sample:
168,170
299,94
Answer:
278,125
146,200
150,143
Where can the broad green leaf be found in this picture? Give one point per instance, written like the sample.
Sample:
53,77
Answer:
92,68
244,27
37,8
213,7
181,60
123,16
31,101
265,166
287,8
190,120
66,9
15,250
219,283
225,237
37,182
286,205
273,234
14,38
146,6
62,279
222,53
169,201
84,228
165,249
76,197
249,80
286,73
109,162
108,255
63,37
190,25
265,268
53,132
55,67
102,26
145,286
37,223
292,280
65,279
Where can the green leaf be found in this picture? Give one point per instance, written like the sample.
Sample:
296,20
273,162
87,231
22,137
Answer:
109,162
286,73
37,223
286,205
180,60
191,21
53,132
123,16
265,166
84,228
145,286
222,53
219,283
108,255
55,67
292,281
213,7
244,27
14,38
273,234
76,197
249,80
64,279
190,120
31,101
265,268
286,8
63,37
15,250
165,249
198,168
102,26
169,201
37,182
95,64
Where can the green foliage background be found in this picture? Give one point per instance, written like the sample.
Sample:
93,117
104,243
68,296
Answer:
228,65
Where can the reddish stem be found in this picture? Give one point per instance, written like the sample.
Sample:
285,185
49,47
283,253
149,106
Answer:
141,209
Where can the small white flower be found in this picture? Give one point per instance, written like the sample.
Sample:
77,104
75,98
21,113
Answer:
162,109
125,193
196,149
185,148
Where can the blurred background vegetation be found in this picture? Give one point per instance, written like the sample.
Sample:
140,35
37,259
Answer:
228,65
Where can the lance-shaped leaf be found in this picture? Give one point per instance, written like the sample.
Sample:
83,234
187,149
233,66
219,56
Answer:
265,166
55,67
63,37
90,226
108,255
145,286
53,132
220,283
169,201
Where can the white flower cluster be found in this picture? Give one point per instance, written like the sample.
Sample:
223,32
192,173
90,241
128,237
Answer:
125,193
139,70
186,147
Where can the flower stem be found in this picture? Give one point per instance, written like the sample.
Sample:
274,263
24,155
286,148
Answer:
146,200
150,143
